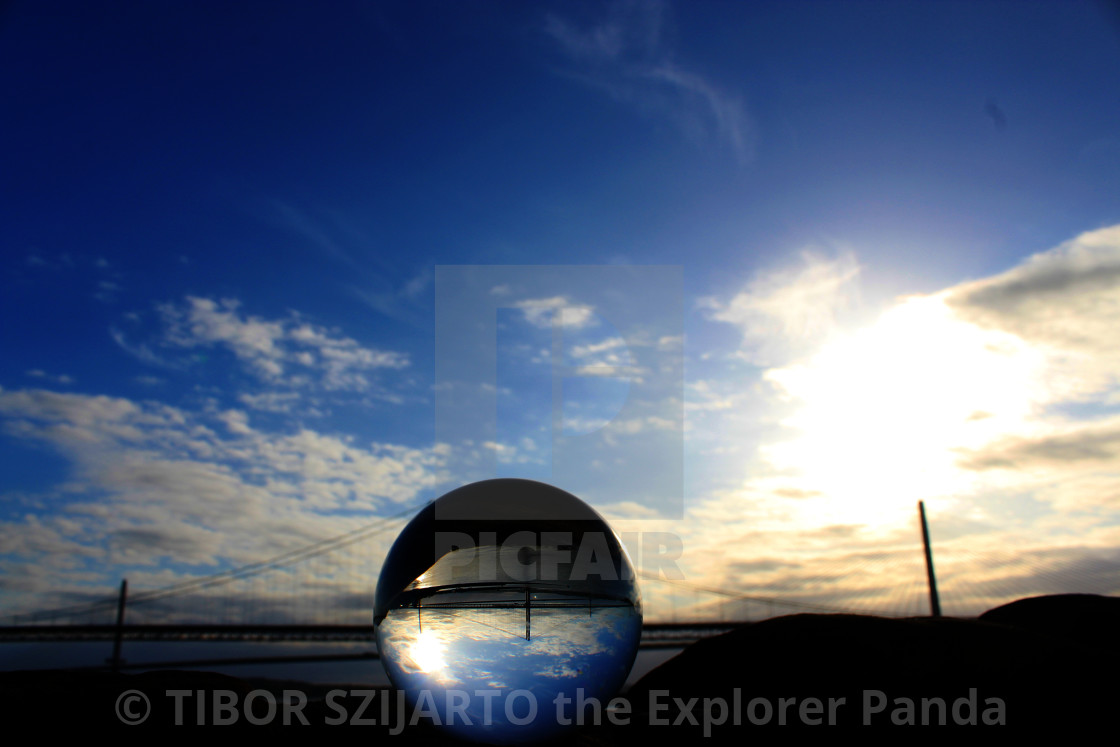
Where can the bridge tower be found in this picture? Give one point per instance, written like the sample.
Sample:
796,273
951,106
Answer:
934,601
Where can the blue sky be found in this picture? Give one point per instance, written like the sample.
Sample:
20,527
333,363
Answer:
894,227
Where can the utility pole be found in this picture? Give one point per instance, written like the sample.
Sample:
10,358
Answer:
934,602
115,662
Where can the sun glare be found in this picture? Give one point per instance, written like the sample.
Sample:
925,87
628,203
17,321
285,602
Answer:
884,412
427,653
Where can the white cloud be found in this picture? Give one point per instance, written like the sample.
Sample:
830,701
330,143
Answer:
1064,306
540,312
961,397
272,348
277,402
992,400
609,358
205,322
149,481
1066,301
237,422
889,405
505,453
788,312
596,350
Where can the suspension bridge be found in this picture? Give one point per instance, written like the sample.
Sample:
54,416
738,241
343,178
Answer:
308,595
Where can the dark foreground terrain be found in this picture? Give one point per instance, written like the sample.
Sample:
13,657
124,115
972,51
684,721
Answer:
1046,665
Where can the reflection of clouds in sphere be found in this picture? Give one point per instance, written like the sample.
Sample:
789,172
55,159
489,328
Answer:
533,594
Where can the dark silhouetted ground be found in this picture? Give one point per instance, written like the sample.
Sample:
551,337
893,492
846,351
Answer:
1041,666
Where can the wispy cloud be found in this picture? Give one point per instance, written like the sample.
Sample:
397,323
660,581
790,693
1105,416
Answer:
402,303
1090,444
107,291
39,260
311,230
62,379
330,233
625,55
140,351
105,281
276,402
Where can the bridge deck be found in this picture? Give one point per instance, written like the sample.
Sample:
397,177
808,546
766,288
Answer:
651,632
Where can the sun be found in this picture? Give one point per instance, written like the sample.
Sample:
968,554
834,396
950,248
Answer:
427,653
882,414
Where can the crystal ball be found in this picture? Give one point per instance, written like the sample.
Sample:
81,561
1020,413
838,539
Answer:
506,611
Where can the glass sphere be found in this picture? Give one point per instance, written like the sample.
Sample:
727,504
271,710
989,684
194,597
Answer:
504,608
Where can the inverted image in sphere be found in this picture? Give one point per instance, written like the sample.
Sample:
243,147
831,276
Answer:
502,605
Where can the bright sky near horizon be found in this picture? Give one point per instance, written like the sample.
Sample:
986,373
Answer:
897,228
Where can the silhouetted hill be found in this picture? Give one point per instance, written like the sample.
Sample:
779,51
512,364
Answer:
1087,618
1049,661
